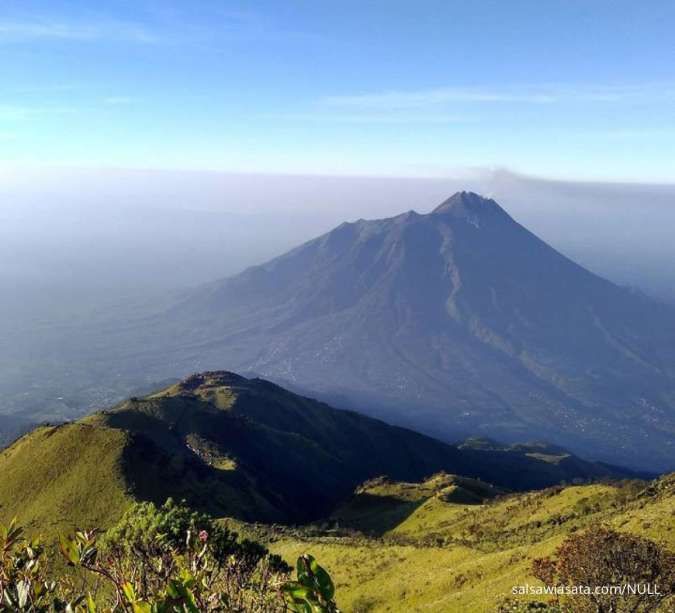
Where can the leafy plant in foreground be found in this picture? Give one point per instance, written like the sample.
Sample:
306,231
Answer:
313,592
157,560
174,559
24,584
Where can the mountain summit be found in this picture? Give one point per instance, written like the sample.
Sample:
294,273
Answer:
469,205
458,322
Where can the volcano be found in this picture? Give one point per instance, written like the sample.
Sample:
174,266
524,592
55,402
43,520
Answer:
456,322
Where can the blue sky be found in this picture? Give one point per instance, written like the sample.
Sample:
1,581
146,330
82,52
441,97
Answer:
558,88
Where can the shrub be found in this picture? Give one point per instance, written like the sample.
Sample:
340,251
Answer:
601,557
24,584
169,559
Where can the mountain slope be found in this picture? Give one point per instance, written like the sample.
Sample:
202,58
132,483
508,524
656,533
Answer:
235,447
456,322
422,550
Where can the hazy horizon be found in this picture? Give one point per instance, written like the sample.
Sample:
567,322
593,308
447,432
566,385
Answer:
56,219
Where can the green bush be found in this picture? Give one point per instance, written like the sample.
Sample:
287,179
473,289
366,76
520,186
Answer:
169,559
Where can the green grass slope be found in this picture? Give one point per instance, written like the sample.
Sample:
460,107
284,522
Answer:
381,504
57,477
434,554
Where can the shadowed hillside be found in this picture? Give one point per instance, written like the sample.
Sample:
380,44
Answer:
236,447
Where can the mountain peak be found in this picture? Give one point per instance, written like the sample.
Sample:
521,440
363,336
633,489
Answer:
456,321
467,204
210,379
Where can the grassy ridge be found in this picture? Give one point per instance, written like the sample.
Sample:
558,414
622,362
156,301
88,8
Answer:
451,556
237,447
